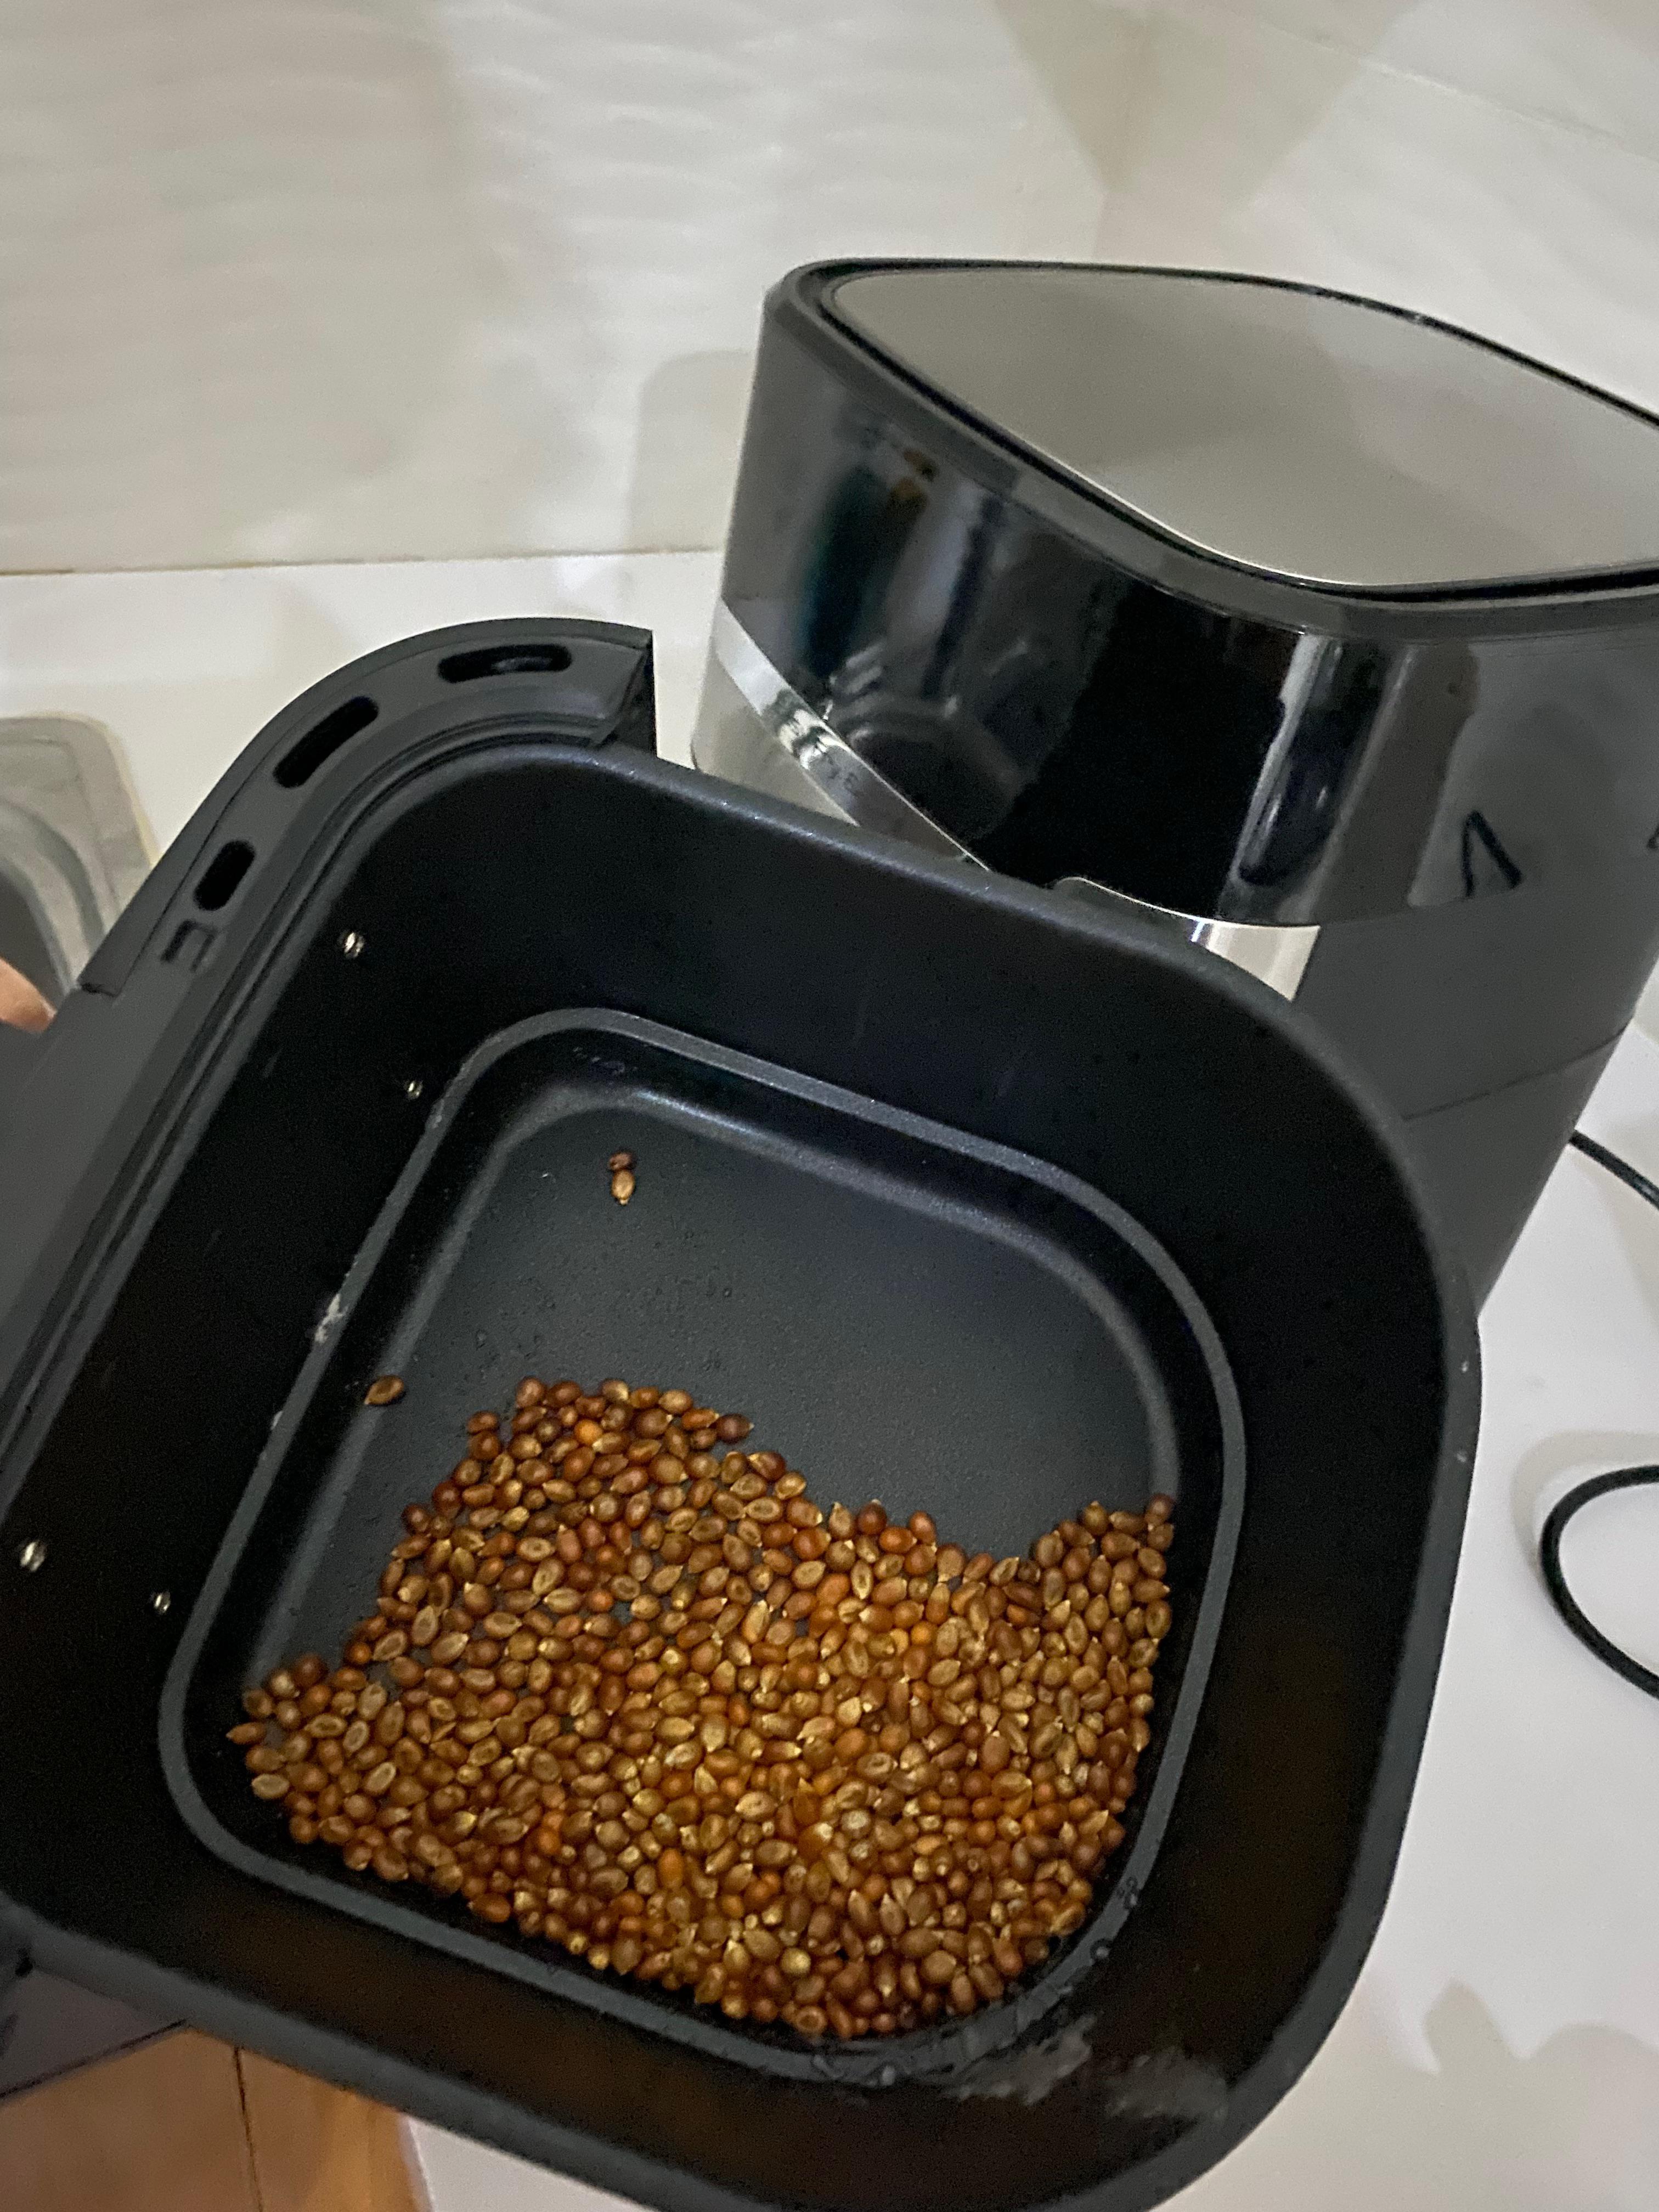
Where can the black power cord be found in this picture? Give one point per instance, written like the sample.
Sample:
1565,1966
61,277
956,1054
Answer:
1597,1485
1632,1178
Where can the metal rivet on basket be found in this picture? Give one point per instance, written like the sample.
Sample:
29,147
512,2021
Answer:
414,1087
162,1600
352,944
32,1556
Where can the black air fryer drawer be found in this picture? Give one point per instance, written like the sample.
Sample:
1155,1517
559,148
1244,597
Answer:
933,1175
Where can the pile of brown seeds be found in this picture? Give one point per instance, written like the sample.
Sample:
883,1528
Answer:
627,1686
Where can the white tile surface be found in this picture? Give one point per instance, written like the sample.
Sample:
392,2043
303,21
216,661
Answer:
465,2177
1593,65
315,279
1260,149
184,668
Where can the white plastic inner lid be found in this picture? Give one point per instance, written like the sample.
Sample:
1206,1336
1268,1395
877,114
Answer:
1316,439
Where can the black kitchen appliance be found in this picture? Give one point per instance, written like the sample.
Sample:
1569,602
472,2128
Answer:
927,1181
1323,634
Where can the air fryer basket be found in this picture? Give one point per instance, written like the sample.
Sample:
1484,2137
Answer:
879,1288
231,1127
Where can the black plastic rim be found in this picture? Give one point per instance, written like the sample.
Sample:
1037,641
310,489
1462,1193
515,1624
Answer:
801,303
159,1080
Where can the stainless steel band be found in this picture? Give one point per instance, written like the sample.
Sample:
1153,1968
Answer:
851,787
1275,953
803,758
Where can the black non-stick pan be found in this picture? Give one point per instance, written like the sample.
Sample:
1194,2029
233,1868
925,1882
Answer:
1016,1207
940,1319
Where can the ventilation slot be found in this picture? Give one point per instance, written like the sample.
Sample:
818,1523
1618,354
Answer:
189,945
224,872
302,759
504,660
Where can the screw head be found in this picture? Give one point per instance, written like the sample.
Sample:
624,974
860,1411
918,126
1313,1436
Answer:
160,1600
352,944
413,1088
32,1556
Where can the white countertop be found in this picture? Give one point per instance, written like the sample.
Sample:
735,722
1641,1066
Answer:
1501,2050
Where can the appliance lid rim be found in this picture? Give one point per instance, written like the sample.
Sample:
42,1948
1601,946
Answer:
818,285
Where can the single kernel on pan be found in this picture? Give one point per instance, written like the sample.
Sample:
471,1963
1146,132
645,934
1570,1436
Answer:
618,1161
622,1185
624,1685
384,1390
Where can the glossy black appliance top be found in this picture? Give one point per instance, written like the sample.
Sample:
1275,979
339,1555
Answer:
1299,433
1065,693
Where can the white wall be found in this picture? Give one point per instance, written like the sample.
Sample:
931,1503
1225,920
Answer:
296,280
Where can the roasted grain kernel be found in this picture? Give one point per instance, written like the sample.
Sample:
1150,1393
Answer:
632,1691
